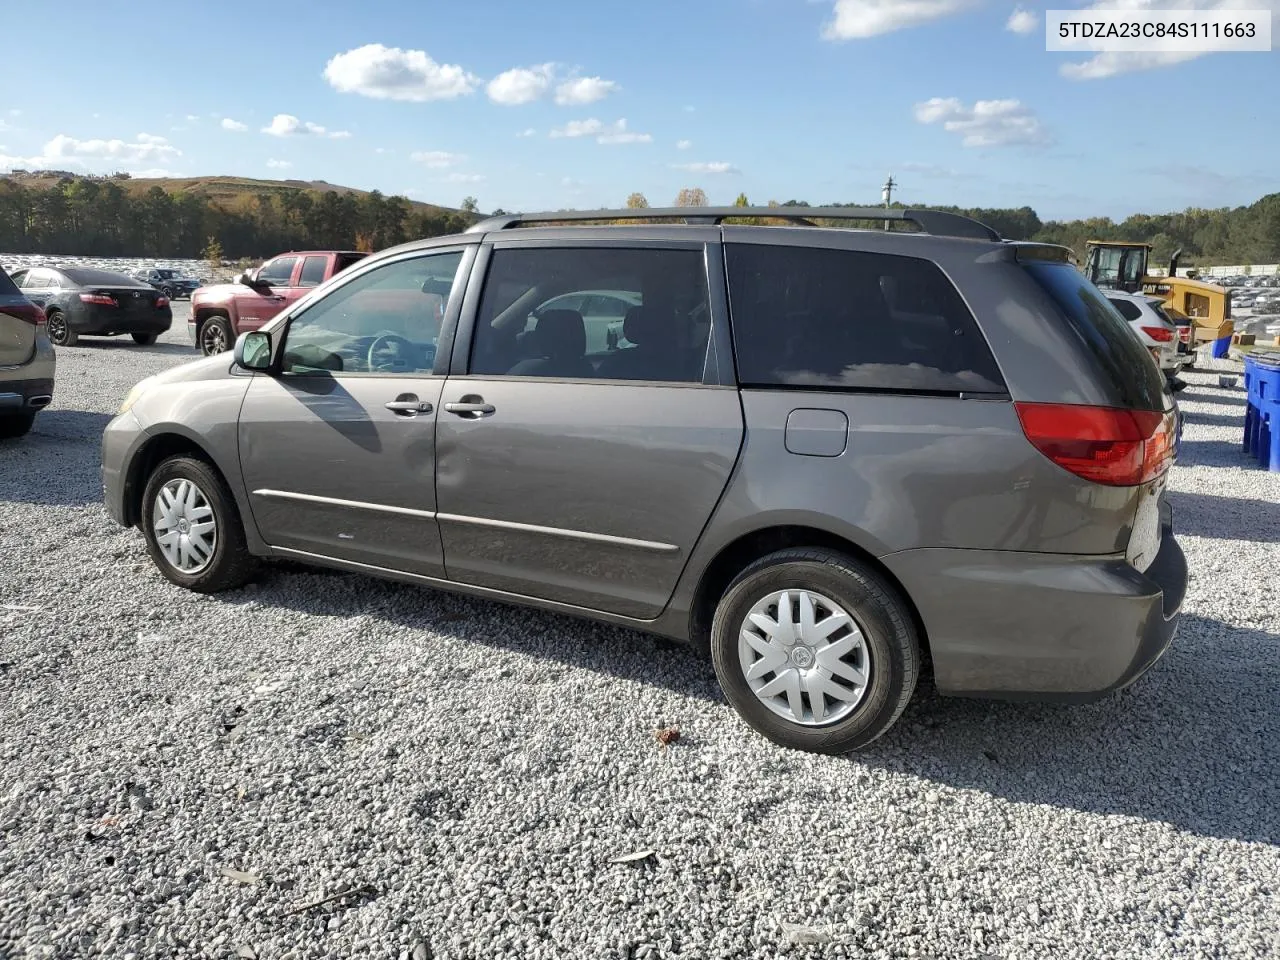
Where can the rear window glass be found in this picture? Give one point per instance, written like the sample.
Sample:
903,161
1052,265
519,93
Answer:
1128,309
99,278
839,319
1135,381
7,286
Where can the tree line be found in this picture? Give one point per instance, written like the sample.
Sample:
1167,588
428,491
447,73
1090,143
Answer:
95,216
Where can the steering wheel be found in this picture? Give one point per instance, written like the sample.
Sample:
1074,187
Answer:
384,340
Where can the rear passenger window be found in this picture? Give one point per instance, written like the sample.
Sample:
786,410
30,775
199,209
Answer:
1133,380
1128,309
313,271
535,317
840,319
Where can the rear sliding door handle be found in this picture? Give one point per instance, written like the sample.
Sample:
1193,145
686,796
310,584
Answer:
408,407
474,408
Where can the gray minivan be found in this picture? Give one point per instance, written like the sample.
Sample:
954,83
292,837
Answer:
832,456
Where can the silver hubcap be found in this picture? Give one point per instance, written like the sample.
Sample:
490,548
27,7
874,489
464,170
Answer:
184,526
804,657
214,341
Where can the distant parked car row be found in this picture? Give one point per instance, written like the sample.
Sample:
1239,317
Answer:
172,284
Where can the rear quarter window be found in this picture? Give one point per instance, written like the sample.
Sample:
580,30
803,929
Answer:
1130,375
7,286
815,318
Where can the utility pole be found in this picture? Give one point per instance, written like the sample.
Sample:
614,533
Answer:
887,194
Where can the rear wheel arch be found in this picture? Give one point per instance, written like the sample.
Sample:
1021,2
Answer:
739,554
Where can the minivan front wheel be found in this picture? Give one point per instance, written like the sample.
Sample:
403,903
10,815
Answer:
815,650
193,528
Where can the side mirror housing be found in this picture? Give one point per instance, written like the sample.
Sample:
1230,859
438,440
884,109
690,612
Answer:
253,351
248,278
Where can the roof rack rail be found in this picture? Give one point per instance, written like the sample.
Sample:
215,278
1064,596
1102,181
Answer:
935,222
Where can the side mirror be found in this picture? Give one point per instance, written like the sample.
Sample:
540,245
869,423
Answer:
253,351
248,278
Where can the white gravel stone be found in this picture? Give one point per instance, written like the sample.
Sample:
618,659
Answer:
470,770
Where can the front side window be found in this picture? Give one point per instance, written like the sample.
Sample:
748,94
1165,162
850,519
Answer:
536,315
384,322
826,319
277,272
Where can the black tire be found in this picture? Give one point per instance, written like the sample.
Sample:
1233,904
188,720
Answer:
167,292
231,565
59,331
16,425
887,628
145,339
216,330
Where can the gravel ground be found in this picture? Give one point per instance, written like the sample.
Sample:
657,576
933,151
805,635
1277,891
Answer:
187,776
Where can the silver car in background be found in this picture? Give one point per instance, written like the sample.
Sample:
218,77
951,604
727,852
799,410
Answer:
26,361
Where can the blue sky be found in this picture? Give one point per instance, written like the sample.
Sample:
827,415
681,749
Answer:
568,103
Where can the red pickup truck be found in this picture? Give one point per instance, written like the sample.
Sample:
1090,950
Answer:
221,313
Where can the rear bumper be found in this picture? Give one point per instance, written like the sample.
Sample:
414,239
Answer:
1043,627
106,321
30,385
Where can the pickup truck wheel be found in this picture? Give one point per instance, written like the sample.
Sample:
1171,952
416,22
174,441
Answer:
216,335
815,650
59,331
193,529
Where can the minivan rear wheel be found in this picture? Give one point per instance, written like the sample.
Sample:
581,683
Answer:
815,650
193,528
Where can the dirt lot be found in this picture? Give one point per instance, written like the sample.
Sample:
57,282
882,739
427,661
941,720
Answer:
185,776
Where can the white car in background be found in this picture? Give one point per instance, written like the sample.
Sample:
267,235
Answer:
1152,326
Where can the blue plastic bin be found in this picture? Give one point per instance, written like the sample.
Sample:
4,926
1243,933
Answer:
1262,415
1221,346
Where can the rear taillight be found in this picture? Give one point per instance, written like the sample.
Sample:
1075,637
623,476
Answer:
101,299
1119,448
162,301
28,311
1159,334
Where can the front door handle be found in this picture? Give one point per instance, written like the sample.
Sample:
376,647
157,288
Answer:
407,405
470,406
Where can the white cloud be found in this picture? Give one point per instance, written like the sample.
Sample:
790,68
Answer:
614,133
437,159
859,19
465,178
389,73
279,164
193,117
381,150
611,135
988,123
287,125
579,128
530,132
683,144
714,167
521,85
64,151
1110,64
1022,21
235,126
584,90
